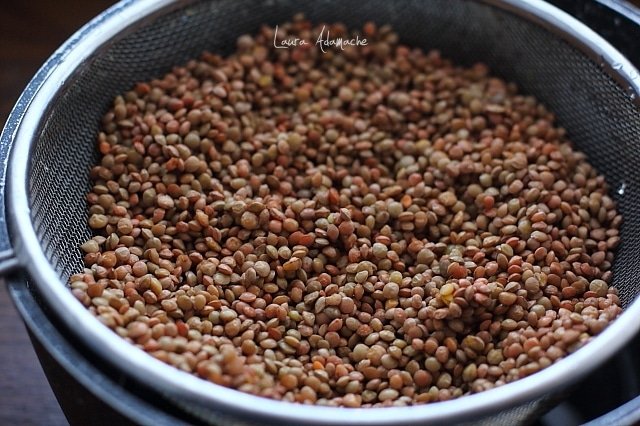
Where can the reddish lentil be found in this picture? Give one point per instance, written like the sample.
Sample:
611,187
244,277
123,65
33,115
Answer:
380,202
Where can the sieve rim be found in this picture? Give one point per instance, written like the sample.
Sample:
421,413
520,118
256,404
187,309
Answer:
25,122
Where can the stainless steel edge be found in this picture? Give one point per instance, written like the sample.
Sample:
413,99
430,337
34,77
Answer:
145,368
623,7
627,414
581,37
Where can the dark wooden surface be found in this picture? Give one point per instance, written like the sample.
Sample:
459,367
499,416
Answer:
29,32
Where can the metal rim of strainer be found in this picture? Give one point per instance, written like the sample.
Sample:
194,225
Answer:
22,130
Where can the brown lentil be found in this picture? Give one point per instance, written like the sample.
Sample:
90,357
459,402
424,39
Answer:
366,227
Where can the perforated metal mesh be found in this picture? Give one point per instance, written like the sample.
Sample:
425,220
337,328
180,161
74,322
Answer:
600,117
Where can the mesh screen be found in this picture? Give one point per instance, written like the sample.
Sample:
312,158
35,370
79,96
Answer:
599,115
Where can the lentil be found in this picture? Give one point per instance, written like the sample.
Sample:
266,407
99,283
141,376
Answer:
361,228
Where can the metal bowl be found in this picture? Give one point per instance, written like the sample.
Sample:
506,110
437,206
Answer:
592,88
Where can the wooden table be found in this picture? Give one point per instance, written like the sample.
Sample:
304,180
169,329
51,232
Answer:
29,32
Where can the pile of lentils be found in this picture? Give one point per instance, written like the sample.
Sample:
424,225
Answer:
365,227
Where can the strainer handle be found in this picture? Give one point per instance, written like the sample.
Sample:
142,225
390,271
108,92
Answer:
8,261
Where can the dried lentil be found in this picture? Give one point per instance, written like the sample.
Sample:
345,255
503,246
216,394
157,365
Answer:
359,228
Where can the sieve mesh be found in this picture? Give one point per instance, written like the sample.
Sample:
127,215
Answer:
600,117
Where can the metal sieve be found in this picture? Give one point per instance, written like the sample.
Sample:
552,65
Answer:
592,88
